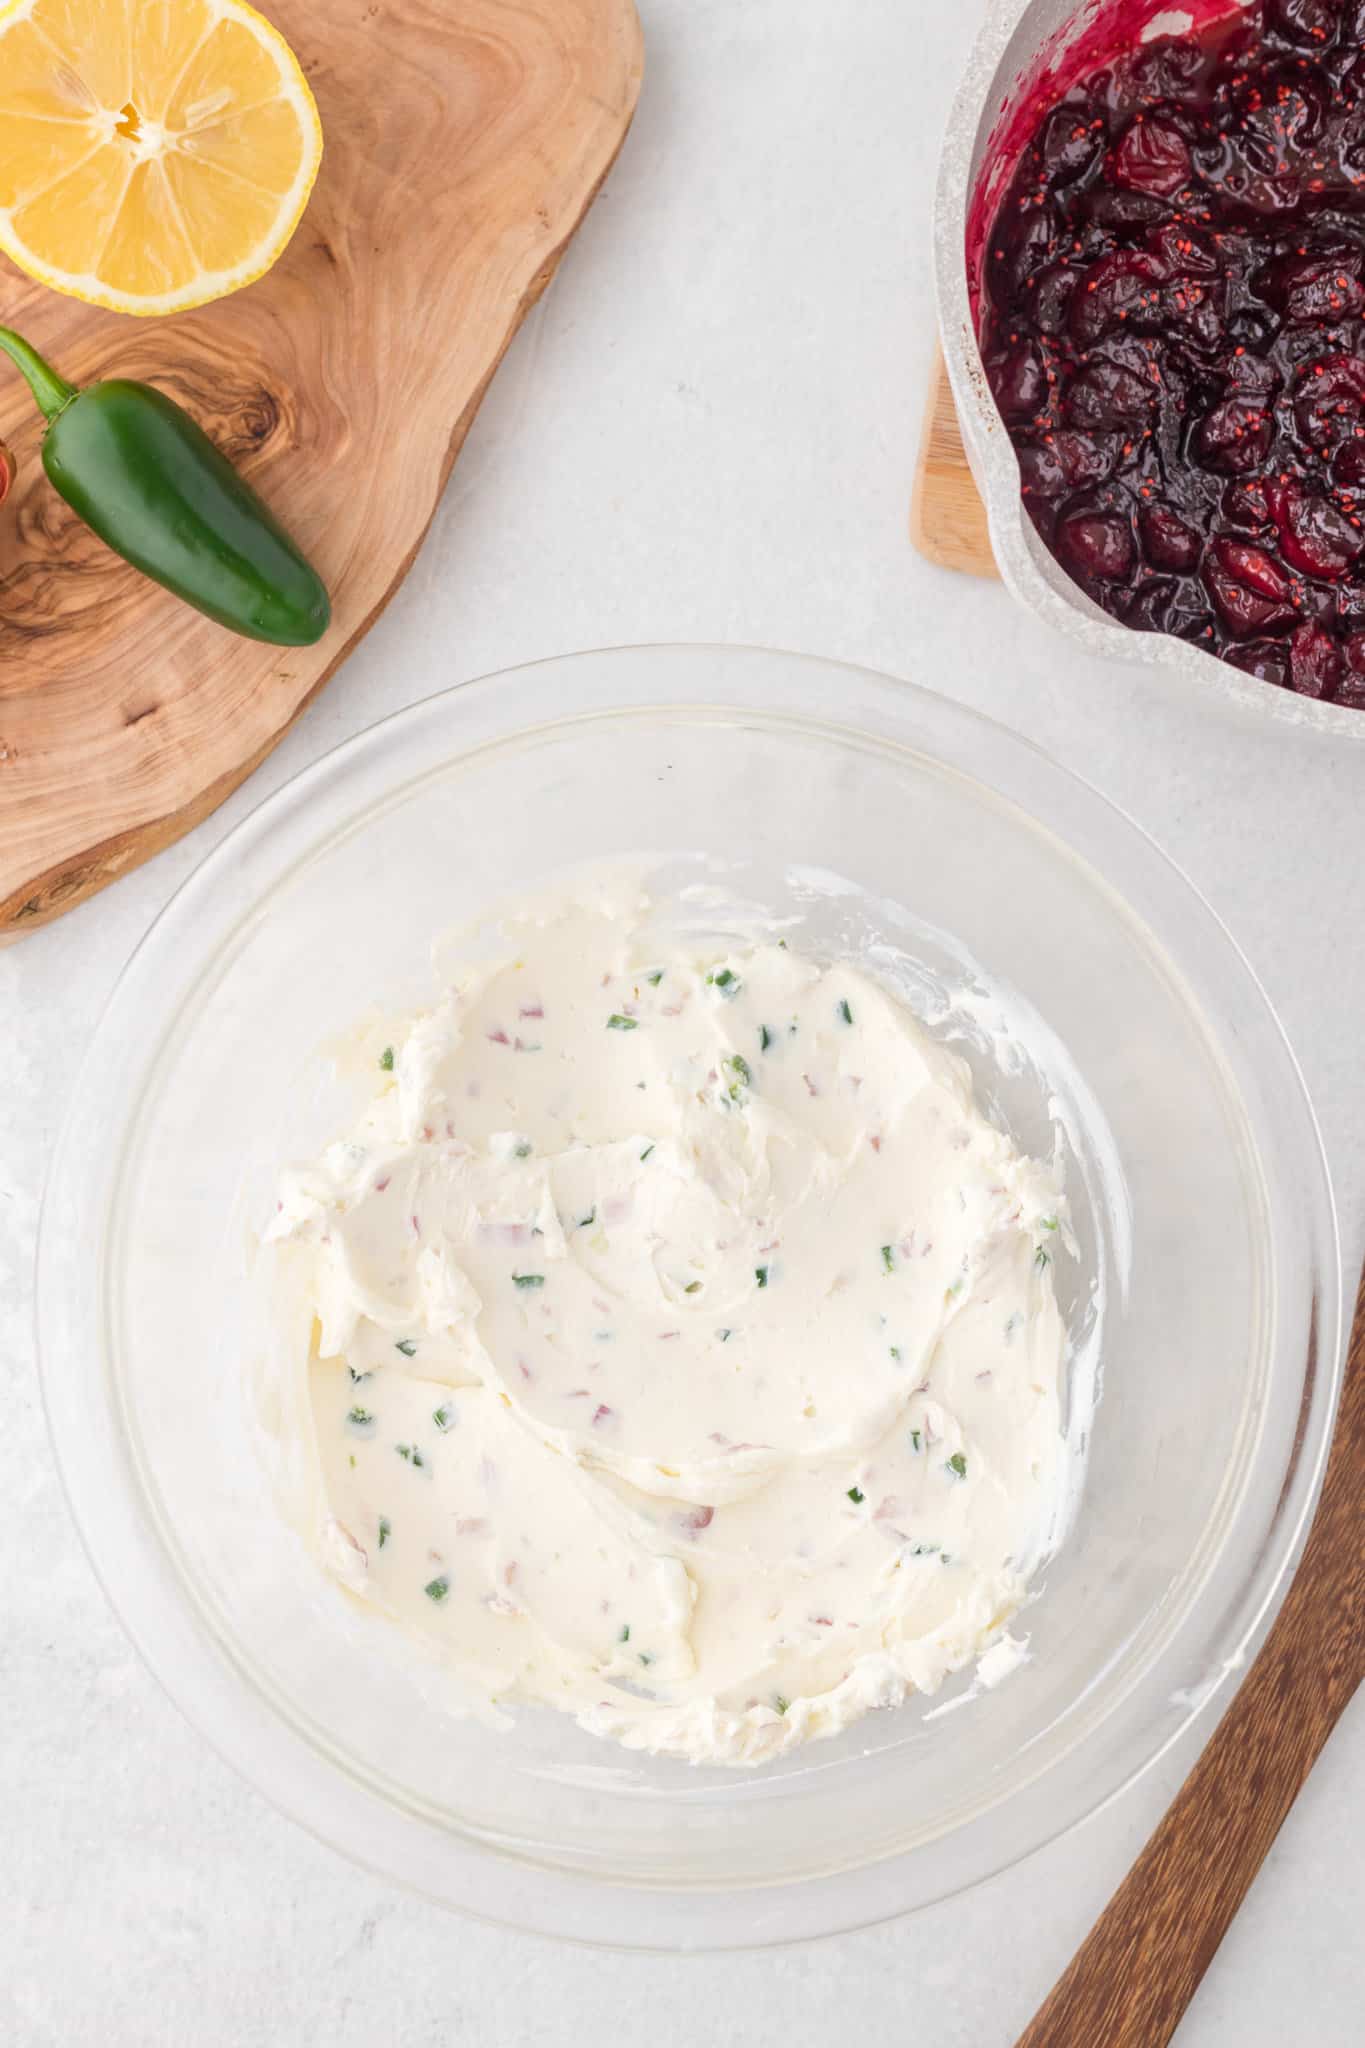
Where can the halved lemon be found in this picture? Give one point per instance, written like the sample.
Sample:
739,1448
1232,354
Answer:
154,154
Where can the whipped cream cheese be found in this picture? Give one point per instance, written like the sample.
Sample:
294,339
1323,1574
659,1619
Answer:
685,1348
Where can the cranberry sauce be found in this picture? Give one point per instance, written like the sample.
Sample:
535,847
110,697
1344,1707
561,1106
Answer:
1174,329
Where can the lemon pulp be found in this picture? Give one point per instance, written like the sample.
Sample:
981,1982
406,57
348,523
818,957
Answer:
154,154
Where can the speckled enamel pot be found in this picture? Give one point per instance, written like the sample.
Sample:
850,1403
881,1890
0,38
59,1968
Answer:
1022,43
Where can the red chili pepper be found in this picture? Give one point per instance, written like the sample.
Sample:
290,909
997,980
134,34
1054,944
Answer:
6,472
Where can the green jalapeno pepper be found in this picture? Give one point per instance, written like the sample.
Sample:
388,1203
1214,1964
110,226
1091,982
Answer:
148,480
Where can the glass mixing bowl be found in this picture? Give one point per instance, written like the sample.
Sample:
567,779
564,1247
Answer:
1099,1001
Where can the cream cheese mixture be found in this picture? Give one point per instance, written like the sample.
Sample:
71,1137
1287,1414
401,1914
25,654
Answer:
686,1354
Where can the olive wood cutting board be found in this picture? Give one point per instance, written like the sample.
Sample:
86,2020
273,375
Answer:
947,518
465,140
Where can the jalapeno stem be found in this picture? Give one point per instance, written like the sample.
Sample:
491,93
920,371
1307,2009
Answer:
52,392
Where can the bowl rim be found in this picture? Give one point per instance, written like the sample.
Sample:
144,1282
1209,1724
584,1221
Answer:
990,452
140,1579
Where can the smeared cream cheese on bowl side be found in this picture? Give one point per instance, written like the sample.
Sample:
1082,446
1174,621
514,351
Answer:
685,1351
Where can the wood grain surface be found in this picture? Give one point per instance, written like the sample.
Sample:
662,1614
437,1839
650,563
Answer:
465,140
1141,1963
947,517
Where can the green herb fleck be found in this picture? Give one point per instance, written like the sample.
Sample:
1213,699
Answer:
645,1154
384,1531
765,1038
844,1011
656,977
528,1279
616,1022
411,1453
357,1377
1041,1259
761,1275
436,1589
406,1346
741,1067
857,1496
523,1150
584,1221
957,1463
896,1353
725,1335
386,1059
889,1257
924,1550
443,1417
624,1636
780,1703
645,1657
692,1287
726,981
1047,1222
361,1418
914,1439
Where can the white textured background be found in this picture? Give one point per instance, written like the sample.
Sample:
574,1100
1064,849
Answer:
706,432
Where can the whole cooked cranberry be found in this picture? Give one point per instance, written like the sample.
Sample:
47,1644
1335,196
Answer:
1237,435
1277,115
1251,592
1268,660
1310,23
1121,211
1354,652
1253,374
1029,246
1120,291
1167,541
1150,608
1097,544
1153,156
1020,383
1198,627
1247,190
1169,69
1052,296
1255,570
1323,288
1196,310
1316,536
1314,662
1108,397
1329,401
1348,464
1183,252
1245,503
1064,462
1073,140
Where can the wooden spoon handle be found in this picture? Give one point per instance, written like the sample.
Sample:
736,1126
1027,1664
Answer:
1142,1961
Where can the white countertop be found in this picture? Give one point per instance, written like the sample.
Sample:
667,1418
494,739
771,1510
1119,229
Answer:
707,431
